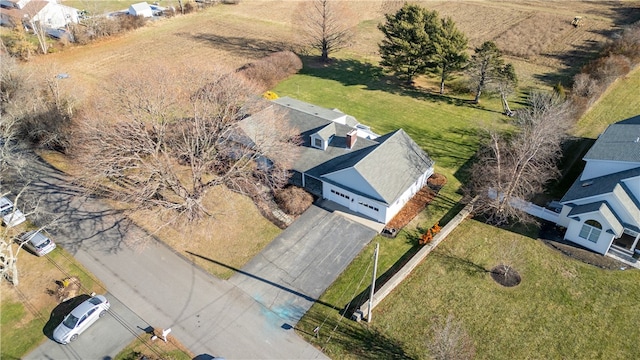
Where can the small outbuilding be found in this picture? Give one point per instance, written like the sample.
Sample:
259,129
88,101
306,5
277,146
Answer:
141,9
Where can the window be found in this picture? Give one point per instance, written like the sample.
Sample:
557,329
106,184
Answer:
340,194
591,230
317,143
369,206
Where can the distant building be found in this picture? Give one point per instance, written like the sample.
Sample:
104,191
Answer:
48,13
141,9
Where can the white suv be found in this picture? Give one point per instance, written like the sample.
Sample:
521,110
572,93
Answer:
10,216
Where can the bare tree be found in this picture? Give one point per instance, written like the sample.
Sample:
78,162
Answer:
325,25
449,341
161,144
512,167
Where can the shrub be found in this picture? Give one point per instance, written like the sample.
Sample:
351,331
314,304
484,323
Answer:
268,71
426,237
558,89
270,95
189,8
293,200
437,180
128,23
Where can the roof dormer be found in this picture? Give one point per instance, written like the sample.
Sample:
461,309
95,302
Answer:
321,138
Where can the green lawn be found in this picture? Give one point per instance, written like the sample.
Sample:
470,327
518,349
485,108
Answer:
562,309
621,101
445,126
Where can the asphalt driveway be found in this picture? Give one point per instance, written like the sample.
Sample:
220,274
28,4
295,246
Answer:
289,275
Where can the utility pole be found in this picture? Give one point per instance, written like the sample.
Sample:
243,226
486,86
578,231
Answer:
373,281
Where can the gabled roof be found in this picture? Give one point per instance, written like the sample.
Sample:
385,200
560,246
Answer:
598,186
388,164
392,166
602,208
619,142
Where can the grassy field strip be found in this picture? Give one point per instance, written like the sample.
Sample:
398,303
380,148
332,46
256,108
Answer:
621,101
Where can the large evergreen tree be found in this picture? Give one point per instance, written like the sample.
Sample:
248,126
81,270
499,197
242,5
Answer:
485,66
450,56
408,46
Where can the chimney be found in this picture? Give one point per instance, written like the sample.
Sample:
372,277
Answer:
351,138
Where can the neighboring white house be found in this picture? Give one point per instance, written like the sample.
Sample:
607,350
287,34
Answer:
49,14
602,208
345,162
141,9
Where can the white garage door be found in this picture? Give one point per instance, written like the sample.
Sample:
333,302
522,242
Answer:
340,197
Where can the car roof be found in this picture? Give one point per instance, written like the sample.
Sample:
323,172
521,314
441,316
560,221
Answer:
86,305
36,237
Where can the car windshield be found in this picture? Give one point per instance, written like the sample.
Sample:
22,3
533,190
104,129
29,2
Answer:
95,301
6,210
70,321
43,244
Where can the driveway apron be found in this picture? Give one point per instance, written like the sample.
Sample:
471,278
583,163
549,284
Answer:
289,275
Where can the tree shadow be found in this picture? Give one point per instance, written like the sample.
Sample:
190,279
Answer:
70,213
457,262
359,340
243,47
350,72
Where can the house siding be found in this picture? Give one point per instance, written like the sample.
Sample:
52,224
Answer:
604,240
397,205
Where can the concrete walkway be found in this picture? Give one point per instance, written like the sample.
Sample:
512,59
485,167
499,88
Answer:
289,275
206,314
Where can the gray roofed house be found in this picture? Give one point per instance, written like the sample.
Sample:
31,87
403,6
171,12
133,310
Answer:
344,161
601,210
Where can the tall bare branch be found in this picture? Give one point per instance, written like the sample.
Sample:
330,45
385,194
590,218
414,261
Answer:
515,166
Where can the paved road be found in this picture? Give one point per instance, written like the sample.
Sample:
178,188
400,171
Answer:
207,315
291,273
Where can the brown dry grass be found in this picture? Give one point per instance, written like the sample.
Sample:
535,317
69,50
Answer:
537,31
37,275
231,237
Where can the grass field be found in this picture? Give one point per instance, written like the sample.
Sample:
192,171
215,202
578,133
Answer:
621,101
563,309
550,314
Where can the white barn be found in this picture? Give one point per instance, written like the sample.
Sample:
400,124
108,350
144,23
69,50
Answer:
141,9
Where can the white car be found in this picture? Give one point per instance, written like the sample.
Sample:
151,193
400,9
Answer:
11,216
37,242
83,316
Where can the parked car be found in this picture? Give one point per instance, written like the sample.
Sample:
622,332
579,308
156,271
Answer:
37,242
79,320
11,216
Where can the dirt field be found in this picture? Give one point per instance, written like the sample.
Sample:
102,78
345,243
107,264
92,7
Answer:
538,35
